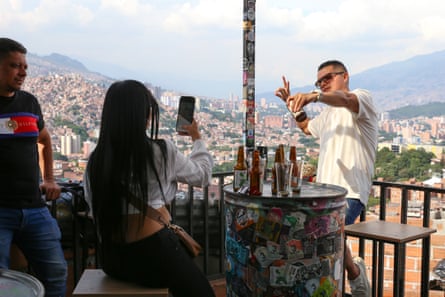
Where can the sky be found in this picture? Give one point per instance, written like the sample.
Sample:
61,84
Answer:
195,46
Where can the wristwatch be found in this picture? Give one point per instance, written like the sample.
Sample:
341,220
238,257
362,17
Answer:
299,116
319,96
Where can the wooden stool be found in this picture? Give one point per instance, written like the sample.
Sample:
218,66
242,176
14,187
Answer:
95,283
381,232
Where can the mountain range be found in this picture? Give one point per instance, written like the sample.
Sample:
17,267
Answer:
60,64
415,81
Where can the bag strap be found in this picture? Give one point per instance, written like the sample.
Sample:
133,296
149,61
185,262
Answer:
150,212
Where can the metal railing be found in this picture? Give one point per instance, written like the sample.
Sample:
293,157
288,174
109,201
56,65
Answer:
201,212
205,219
385,189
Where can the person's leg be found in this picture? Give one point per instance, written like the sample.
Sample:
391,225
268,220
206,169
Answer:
39,239
9,221
355,267
185,277
354,208
352,269
160,261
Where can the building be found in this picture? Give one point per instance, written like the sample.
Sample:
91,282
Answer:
70,144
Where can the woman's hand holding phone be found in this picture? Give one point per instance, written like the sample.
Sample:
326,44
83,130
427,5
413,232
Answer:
185,113
191,130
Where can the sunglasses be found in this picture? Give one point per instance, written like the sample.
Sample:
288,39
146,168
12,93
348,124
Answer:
327,78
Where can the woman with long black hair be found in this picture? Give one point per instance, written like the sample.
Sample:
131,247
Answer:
131,170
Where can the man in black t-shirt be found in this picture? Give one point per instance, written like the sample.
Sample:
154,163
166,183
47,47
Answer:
24,217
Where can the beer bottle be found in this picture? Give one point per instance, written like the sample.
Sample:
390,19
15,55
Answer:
281,149
239,170
255,174
295,173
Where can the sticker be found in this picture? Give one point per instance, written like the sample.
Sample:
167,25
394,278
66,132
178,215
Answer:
325,267
251,14
308,248
295,220
294,249
267,230
297,233
279,277
241,219
262,257
317,226
275,214
338,269
312,285
326,288
253,212
247,234
273,250
229,217
325,245
237,251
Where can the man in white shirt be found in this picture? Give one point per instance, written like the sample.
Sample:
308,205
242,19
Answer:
347,129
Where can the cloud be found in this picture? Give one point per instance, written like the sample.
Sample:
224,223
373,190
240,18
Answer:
33,16
432,28
351,18
205,16
363,33
203,38
128,8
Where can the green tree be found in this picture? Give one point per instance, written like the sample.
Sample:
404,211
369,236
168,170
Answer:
59,156
224,167
408,164
78,130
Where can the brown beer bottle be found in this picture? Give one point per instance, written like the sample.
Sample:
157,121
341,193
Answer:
293,160
281,148
239,170
255,174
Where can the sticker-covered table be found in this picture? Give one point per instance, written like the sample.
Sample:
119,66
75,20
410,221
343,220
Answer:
292,246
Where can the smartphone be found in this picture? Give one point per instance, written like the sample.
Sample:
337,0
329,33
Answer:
185,112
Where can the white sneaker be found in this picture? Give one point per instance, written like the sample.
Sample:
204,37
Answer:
360,286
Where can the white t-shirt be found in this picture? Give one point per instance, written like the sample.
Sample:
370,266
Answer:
348,144
194,169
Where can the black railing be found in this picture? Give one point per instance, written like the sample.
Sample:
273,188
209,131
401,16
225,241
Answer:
385,189
201,212
204,219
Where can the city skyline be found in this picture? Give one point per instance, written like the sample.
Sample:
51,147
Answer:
196,46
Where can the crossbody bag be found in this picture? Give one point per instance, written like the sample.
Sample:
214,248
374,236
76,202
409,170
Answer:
192,246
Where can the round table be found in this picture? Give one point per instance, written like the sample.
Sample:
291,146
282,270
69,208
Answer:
19,284
285,246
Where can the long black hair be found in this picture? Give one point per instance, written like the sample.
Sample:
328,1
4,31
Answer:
119,166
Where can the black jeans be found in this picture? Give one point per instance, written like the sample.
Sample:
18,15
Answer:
157,261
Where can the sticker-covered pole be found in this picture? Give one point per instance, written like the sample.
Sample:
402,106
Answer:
249,73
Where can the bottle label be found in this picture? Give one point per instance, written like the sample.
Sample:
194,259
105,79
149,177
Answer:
240,178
